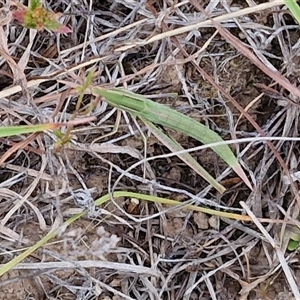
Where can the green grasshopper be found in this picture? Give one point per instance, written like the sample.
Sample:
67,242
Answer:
151,113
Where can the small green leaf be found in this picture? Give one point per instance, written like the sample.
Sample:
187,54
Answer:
293,245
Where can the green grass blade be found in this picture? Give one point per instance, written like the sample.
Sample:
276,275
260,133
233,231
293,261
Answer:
6,131
294,8
12,263
163,115
185,157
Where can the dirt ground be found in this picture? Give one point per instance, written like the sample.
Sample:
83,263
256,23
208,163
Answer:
129,248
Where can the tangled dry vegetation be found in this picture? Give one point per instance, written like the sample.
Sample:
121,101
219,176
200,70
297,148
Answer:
153,48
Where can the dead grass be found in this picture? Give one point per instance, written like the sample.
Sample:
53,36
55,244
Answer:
237,73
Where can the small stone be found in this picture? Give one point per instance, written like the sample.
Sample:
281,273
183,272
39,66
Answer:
214,222
201,220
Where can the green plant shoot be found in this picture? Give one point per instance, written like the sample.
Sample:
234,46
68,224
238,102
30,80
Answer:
37,17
